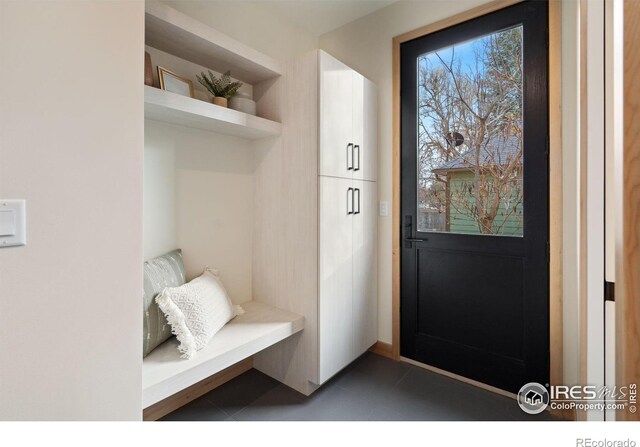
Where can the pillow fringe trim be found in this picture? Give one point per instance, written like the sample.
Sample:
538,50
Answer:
179,328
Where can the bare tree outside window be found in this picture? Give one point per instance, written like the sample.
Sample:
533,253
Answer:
470,137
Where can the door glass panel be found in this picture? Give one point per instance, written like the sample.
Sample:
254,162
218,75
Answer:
470,155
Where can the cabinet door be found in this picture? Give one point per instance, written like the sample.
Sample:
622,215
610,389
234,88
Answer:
369,157
365,128
336,275
365,267
358,137
336,118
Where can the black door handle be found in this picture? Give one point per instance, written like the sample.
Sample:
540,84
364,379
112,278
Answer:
356,146
349,159
350,190
358,191
408,231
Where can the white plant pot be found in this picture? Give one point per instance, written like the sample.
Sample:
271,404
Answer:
243,104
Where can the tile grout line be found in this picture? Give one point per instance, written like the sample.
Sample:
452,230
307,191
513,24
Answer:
401,378
219,408
231,415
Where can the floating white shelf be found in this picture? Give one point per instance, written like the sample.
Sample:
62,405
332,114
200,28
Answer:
173,32
160,105
165,373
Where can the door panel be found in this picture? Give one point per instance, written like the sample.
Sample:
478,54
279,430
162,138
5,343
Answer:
440,290
336,275
336,118
365,265
474,198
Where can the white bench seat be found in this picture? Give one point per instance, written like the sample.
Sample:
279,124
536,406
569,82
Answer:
164,373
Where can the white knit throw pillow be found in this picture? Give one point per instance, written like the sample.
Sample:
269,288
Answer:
197,310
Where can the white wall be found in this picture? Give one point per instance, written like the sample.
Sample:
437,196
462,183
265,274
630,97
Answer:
71,139
198,196
366,45
198,192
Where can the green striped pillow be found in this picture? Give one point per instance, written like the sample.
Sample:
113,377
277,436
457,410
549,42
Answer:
163,271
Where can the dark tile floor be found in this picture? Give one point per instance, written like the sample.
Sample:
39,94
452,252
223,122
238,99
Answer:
372,388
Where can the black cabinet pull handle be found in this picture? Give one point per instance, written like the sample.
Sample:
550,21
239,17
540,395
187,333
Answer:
357,146
349,196
349,158
358,191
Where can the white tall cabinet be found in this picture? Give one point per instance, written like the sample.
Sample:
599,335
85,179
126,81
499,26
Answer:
347,153
315,233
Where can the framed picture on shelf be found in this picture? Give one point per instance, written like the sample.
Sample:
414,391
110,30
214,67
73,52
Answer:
171,82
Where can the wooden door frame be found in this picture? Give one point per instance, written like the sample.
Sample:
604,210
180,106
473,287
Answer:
628,262
555,176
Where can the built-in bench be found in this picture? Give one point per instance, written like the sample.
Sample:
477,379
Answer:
164,373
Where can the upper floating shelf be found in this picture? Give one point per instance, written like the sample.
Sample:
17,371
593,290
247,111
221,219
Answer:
176,33
160,105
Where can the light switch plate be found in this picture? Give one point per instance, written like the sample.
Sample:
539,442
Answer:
7,222
384,208
13,223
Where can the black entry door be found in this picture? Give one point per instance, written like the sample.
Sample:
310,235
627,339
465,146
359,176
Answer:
474,198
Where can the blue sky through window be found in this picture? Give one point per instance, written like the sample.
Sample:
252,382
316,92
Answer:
471,91
464,53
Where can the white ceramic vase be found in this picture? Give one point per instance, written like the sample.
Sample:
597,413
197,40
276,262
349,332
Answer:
242,102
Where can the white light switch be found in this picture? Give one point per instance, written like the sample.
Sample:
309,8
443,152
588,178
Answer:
7,222
13,219
384,208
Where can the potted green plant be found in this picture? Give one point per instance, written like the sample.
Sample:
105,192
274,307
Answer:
221,87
